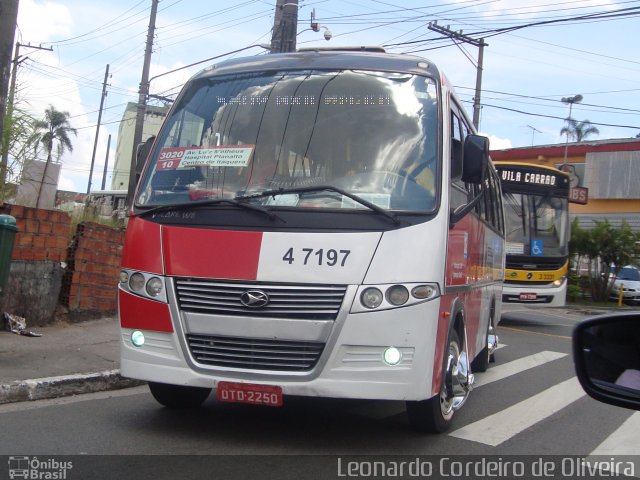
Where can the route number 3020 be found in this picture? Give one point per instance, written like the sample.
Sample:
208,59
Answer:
320,256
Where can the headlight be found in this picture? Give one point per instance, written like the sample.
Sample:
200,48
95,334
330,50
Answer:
371,298
124,277
397,295
557,283
154,286
136,282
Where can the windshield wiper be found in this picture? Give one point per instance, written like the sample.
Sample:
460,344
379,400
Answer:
206,203
319,188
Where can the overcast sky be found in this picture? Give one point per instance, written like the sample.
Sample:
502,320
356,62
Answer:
563,48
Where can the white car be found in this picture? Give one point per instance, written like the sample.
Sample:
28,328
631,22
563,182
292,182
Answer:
629,278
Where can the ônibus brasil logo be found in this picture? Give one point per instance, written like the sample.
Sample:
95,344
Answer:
38,469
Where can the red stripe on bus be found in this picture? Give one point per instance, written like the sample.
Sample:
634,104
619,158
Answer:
143,314
142,246
207,253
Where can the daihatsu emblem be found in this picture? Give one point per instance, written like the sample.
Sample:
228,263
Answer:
254,299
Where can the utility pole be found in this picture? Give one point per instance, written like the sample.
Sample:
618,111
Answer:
142,102
285,27
8,22
95,142
478,43
12,91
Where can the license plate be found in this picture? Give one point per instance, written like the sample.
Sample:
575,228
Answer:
528,296
269,395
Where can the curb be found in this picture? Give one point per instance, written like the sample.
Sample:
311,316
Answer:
65,385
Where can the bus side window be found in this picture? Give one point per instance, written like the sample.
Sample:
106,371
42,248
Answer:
459,194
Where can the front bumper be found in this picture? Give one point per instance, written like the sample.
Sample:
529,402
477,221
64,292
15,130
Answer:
351,364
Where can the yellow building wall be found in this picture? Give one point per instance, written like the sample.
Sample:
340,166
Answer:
598,206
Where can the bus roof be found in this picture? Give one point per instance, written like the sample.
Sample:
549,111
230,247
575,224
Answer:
340,58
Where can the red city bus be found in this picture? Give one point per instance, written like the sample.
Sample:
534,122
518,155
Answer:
320,224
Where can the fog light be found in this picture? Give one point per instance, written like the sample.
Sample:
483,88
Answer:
392,356
137,338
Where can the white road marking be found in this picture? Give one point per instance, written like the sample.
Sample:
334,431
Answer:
498,372
624,441
500,427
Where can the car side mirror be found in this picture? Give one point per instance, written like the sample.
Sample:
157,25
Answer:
606,352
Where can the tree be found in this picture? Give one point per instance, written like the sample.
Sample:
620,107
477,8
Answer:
578,131
53,130
607,249
17,133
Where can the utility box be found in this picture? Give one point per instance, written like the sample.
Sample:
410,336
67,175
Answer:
8,231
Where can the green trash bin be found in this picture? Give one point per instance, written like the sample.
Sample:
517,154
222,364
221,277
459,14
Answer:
8,231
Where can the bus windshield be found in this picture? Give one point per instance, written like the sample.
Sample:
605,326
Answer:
536,225
370,134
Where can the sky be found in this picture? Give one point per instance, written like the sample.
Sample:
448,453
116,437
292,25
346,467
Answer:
538,52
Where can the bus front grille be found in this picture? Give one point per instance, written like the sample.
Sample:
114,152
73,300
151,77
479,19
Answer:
254,353
311,302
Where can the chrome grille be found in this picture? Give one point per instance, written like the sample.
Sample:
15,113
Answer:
254,353
316,302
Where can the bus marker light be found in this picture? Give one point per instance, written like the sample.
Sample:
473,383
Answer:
392,356
137,338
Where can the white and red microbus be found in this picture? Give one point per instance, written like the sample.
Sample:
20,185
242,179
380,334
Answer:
317,224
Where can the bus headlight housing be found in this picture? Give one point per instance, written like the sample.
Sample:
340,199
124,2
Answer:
148,285
388,296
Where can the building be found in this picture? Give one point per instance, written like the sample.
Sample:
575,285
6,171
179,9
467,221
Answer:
609,170
152,120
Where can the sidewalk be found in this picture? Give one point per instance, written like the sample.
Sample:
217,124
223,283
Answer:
75,358
68,359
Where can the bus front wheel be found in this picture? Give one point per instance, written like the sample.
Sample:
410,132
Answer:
178,396
434,415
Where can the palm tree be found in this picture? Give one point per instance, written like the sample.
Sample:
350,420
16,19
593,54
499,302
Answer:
578,130
54,129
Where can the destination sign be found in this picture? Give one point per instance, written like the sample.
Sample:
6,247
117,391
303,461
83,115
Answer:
529,178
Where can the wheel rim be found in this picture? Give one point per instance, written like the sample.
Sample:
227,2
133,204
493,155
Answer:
447,396
457,381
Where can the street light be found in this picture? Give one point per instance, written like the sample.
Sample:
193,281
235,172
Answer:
570,101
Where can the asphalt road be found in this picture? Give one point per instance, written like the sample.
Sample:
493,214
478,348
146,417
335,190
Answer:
528,403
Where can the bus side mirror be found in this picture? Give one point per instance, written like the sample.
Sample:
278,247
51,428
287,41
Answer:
141,155
475,157
606,353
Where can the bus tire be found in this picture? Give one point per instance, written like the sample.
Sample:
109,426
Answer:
486,356
434,415
178,396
